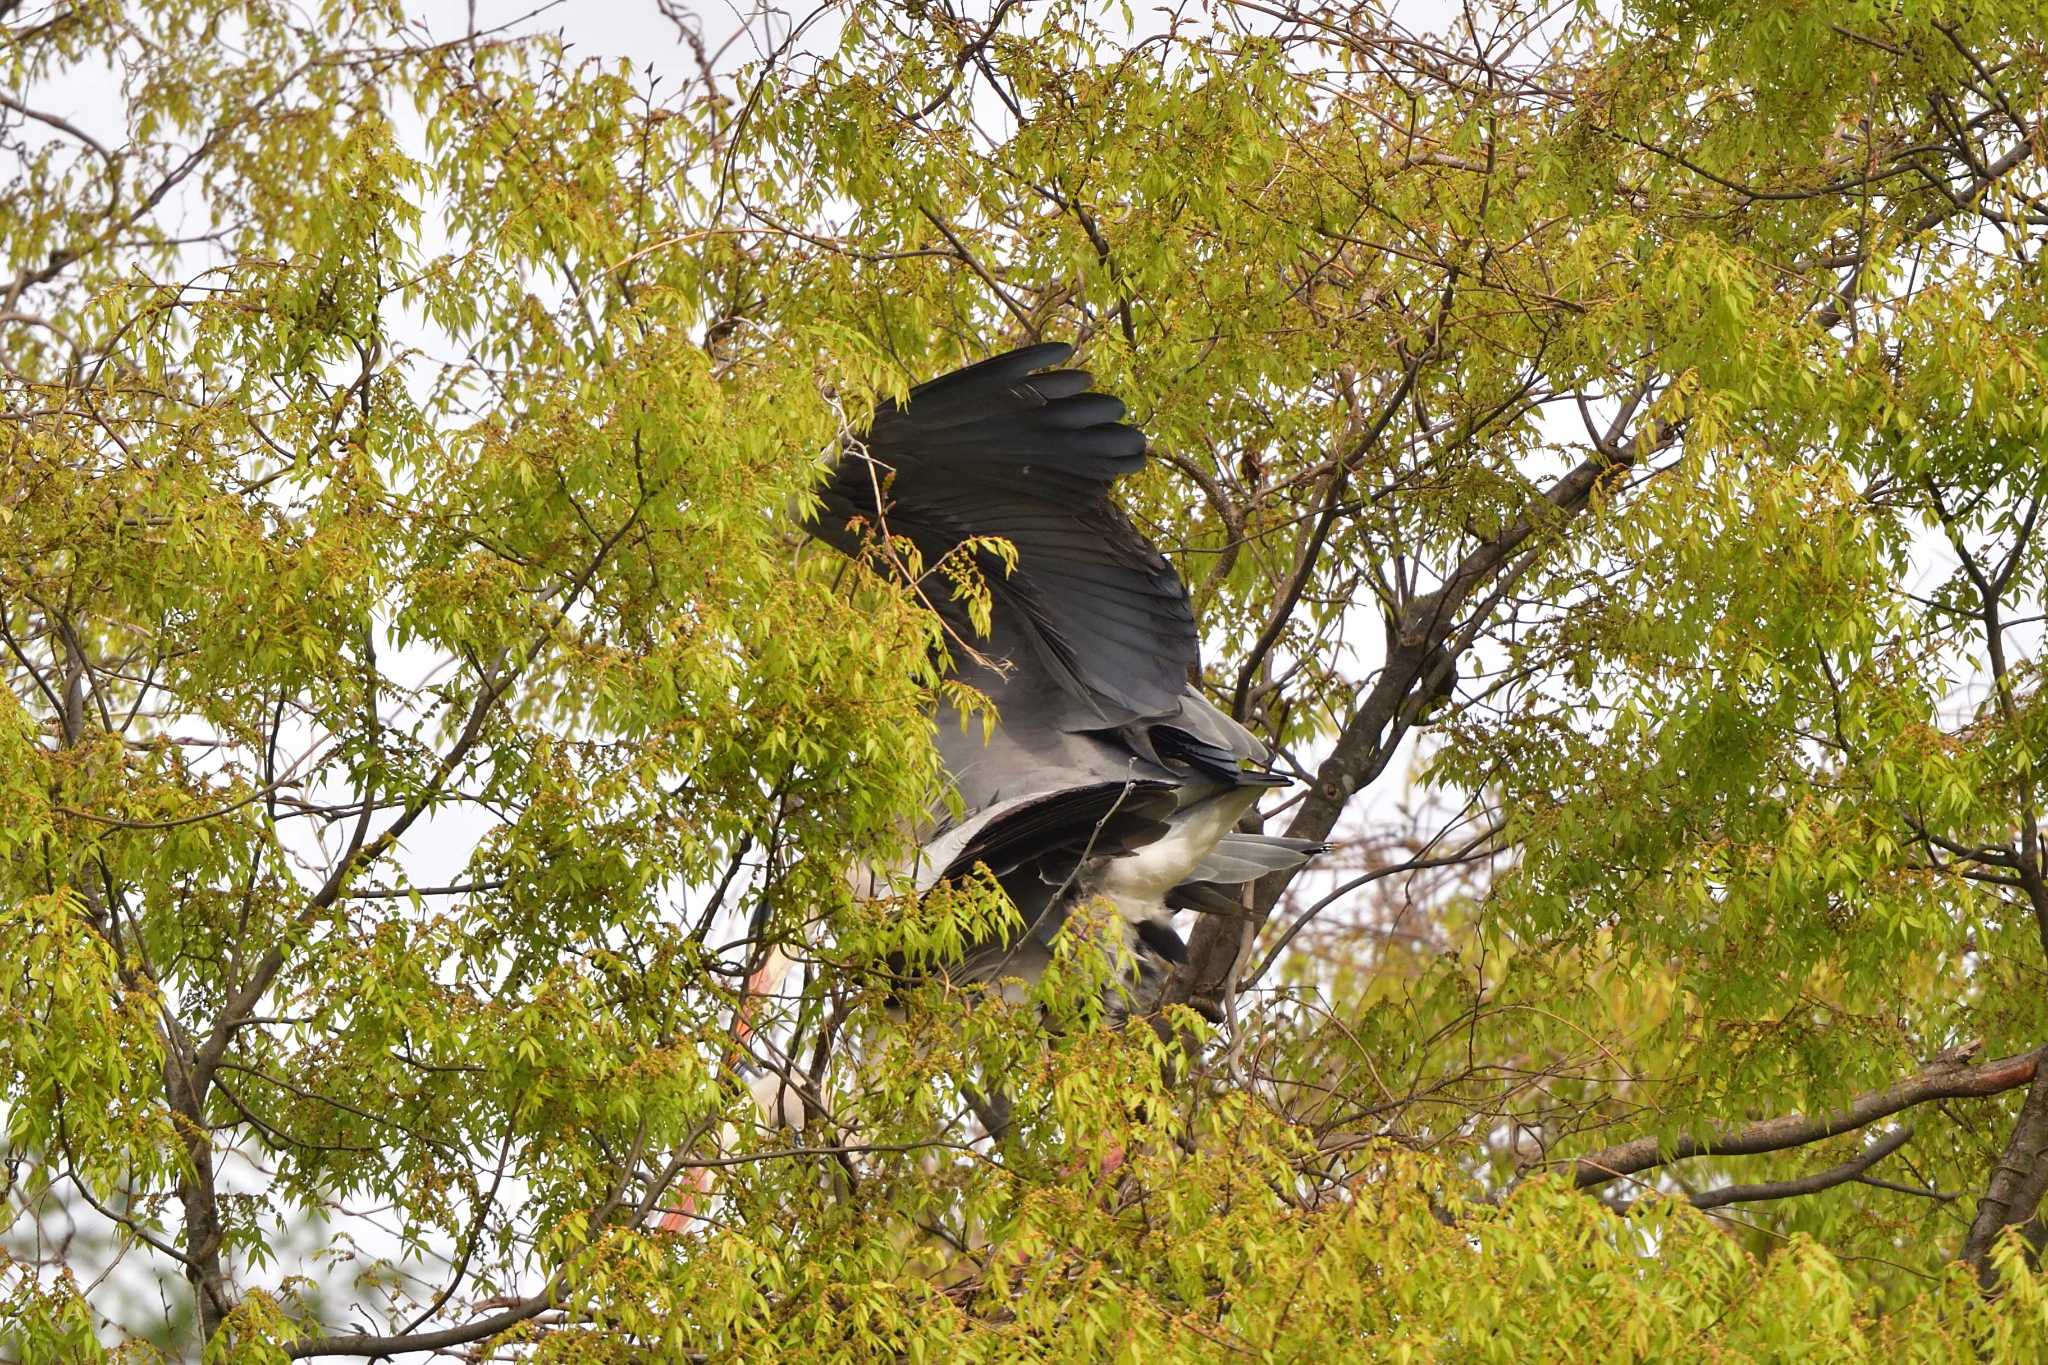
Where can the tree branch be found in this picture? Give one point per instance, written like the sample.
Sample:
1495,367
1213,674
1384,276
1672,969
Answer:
363,1344
1418,652
1806,1184
1311,550
2018,1182
1952,1078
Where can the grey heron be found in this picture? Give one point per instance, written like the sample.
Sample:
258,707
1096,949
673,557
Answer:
1107,774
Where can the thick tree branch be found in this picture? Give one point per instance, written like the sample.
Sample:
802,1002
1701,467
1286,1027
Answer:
1952,1078
1806,1184
1419,653
2017,1184
363,1344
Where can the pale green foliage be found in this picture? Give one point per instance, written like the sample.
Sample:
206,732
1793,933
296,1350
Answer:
431,518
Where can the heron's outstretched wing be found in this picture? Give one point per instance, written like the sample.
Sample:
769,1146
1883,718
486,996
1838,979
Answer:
998,450
1036,846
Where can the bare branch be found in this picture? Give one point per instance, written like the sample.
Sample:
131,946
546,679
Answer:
1807,1184
1944,1080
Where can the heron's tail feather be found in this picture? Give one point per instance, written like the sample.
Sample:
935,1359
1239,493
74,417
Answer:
1239,858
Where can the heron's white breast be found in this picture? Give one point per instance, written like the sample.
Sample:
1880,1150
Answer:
1138,882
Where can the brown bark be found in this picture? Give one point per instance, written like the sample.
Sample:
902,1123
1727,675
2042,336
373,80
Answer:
212,1296
1805,1184
2017,1184
1952,1078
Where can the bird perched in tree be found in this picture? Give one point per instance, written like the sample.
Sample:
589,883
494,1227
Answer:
1107,774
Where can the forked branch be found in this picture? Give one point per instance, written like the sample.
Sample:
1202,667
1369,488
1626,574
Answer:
1950,1078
